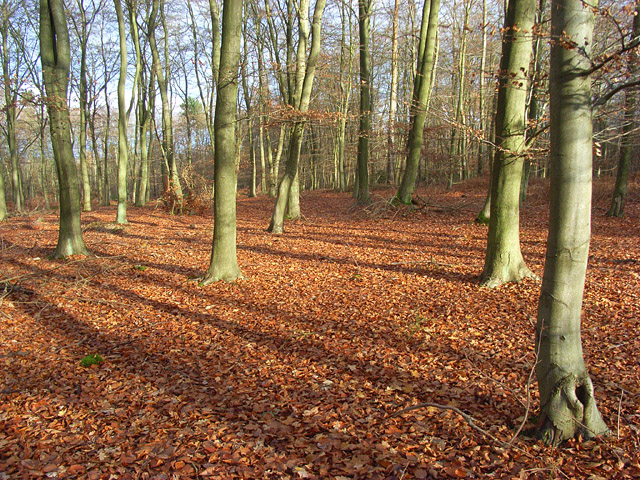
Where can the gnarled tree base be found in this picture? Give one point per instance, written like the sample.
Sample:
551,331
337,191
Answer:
506,274
275,227
570,410
617,207
66,248
482,218
216,274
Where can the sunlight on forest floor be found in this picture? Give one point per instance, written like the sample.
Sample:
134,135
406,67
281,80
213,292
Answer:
349,316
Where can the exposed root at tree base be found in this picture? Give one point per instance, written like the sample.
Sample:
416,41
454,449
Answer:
515,275
570,412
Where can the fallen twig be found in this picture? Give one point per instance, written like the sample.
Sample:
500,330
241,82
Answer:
432,262
467,418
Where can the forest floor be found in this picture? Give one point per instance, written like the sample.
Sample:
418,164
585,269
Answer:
296,371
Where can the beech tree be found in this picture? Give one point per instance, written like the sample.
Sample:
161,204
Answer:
56,57
83,24
224,261
421,91
170,178
503,260
3,202
306,69
12,79
631,102
123,144
567,400
361,190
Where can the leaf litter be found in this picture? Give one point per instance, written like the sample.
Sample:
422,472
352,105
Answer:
297,370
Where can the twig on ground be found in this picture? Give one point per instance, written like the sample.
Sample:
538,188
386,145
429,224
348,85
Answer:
467,418
37,274
432,262
619,410
529,380
97,300
497,382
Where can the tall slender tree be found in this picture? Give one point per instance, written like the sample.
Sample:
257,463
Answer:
171,178
55,56
11,80
567,401
224,260
3,201
629,126
393,96
481,88
123,144
305,74
421,91
503,260
364,127
82,24
146,103
347,52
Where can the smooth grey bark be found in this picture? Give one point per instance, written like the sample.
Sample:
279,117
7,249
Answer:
123,144
364,126
503,260
534,103
206,92
274,161
3,202
106,200
345,75
481,90
305,74
224,260
10,88
146,103
172,180
55,56
393,97
419,105
631,101
457,146
83,27
485,213
567,401
248,98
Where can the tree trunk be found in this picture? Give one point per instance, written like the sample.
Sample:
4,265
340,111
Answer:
10,108
304,83
3,202
83,36
274,162
55,56
393,97
224,260
107,131
630,106
123,144
346,63
457,147
146,103
422,87
567,400
364,127
173,180
503,261
534,94
481,90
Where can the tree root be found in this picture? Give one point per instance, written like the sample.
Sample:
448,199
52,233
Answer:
512,275
467,418
570,412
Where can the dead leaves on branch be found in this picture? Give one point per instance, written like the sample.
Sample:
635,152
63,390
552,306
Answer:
294,371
